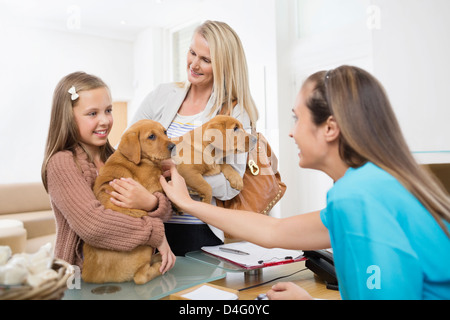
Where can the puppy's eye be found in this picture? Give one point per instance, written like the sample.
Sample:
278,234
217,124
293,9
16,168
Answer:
152,137
165,132
236,129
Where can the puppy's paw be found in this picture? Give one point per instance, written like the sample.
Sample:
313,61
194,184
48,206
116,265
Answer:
136,213
236,182
147,273
207,199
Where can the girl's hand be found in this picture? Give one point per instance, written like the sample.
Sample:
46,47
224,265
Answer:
130,194
288,291
168,258
175,189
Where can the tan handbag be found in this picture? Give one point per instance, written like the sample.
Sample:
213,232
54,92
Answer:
263,187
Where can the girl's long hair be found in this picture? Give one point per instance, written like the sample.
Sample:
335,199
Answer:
370,132
63,130
230,69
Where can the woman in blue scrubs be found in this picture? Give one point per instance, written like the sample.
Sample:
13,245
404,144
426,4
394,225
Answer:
386,219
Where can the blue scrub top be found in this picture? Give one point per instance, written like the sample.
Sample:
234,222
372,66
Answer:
386,245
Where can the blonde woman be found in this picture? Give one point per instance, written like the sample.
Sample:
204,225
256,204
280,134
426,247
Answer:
386,219
217,80
77,147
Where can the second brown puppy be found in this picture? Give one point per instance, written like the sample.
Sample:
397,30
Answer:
202,152
141,150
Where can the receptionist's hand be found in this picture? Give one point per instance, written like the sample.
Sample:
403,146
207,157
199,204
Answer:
176,189
288,291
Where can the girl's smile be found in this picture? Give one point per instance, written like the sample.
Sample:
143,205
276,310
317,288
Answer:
102,134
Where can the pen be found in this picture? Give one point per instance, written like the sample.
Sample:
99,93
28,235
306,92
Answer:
242,253
287,259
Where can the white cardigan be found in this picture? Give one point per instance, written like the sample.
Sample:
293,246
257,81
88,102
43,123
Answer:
162,105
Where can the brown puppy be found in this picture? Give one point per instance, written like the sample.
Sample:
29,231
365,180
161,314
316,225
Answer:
202,151
139,156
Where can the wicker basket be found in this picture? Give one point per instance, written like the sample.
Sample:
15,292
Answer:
50,290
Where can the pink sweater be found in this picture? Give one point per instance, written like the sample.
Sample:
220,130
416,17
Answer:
80,216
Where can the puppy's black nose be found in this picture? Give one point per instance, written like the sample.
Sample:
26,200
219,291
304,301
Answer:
171,146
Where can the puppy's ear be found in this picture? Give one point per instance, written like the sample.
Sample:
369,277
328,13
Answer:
214,134
215,140
130,147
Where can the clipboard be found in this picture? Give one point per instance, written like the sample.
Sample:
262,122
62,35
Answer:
250,256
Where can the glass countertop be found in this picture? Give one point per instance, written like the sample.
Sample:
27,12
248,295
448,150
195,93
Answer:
185,274
215,261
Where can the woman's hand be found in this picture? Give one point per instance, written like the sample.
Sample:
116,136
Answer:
130,194
288,291
175,189
168,258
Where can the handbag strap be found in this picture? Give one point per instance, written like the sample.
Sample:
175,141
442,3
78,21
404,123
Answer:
253,128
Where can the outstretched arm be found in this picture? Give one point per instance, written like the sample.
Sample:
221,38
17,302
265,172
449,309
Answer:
302,232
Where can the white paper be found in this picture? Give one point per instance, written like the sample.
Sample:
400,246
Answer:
210,293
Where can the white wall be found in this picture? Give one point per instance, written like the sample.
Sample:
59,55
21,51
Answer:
150,65
332,35
404,43
32,61
412,60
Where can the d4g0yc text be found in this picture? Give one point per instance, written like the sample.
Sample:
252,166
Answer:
246,309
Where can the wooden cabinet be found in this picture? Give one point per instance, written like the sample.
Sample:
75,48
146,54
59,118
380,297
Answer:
120,114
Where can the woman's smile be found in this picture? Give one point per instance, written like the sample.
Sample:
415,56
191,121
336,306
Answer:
195,74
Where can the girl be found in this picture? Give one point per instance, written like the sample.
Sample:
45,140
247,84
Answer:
217,83
386,219
77,147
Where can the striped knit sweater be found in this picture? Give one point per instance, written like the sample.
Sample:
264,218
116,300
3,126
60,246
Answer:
80,216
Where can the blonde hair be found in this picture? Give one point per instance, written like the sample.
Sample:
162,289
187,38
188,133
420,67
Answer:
230,69
63,133
370,132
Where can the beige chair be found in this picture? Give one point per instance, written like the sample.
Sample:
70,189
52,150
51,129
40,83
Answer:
28,203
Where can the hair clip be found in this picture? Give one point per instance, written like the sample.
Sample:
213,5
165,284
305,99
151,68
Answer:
74,93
